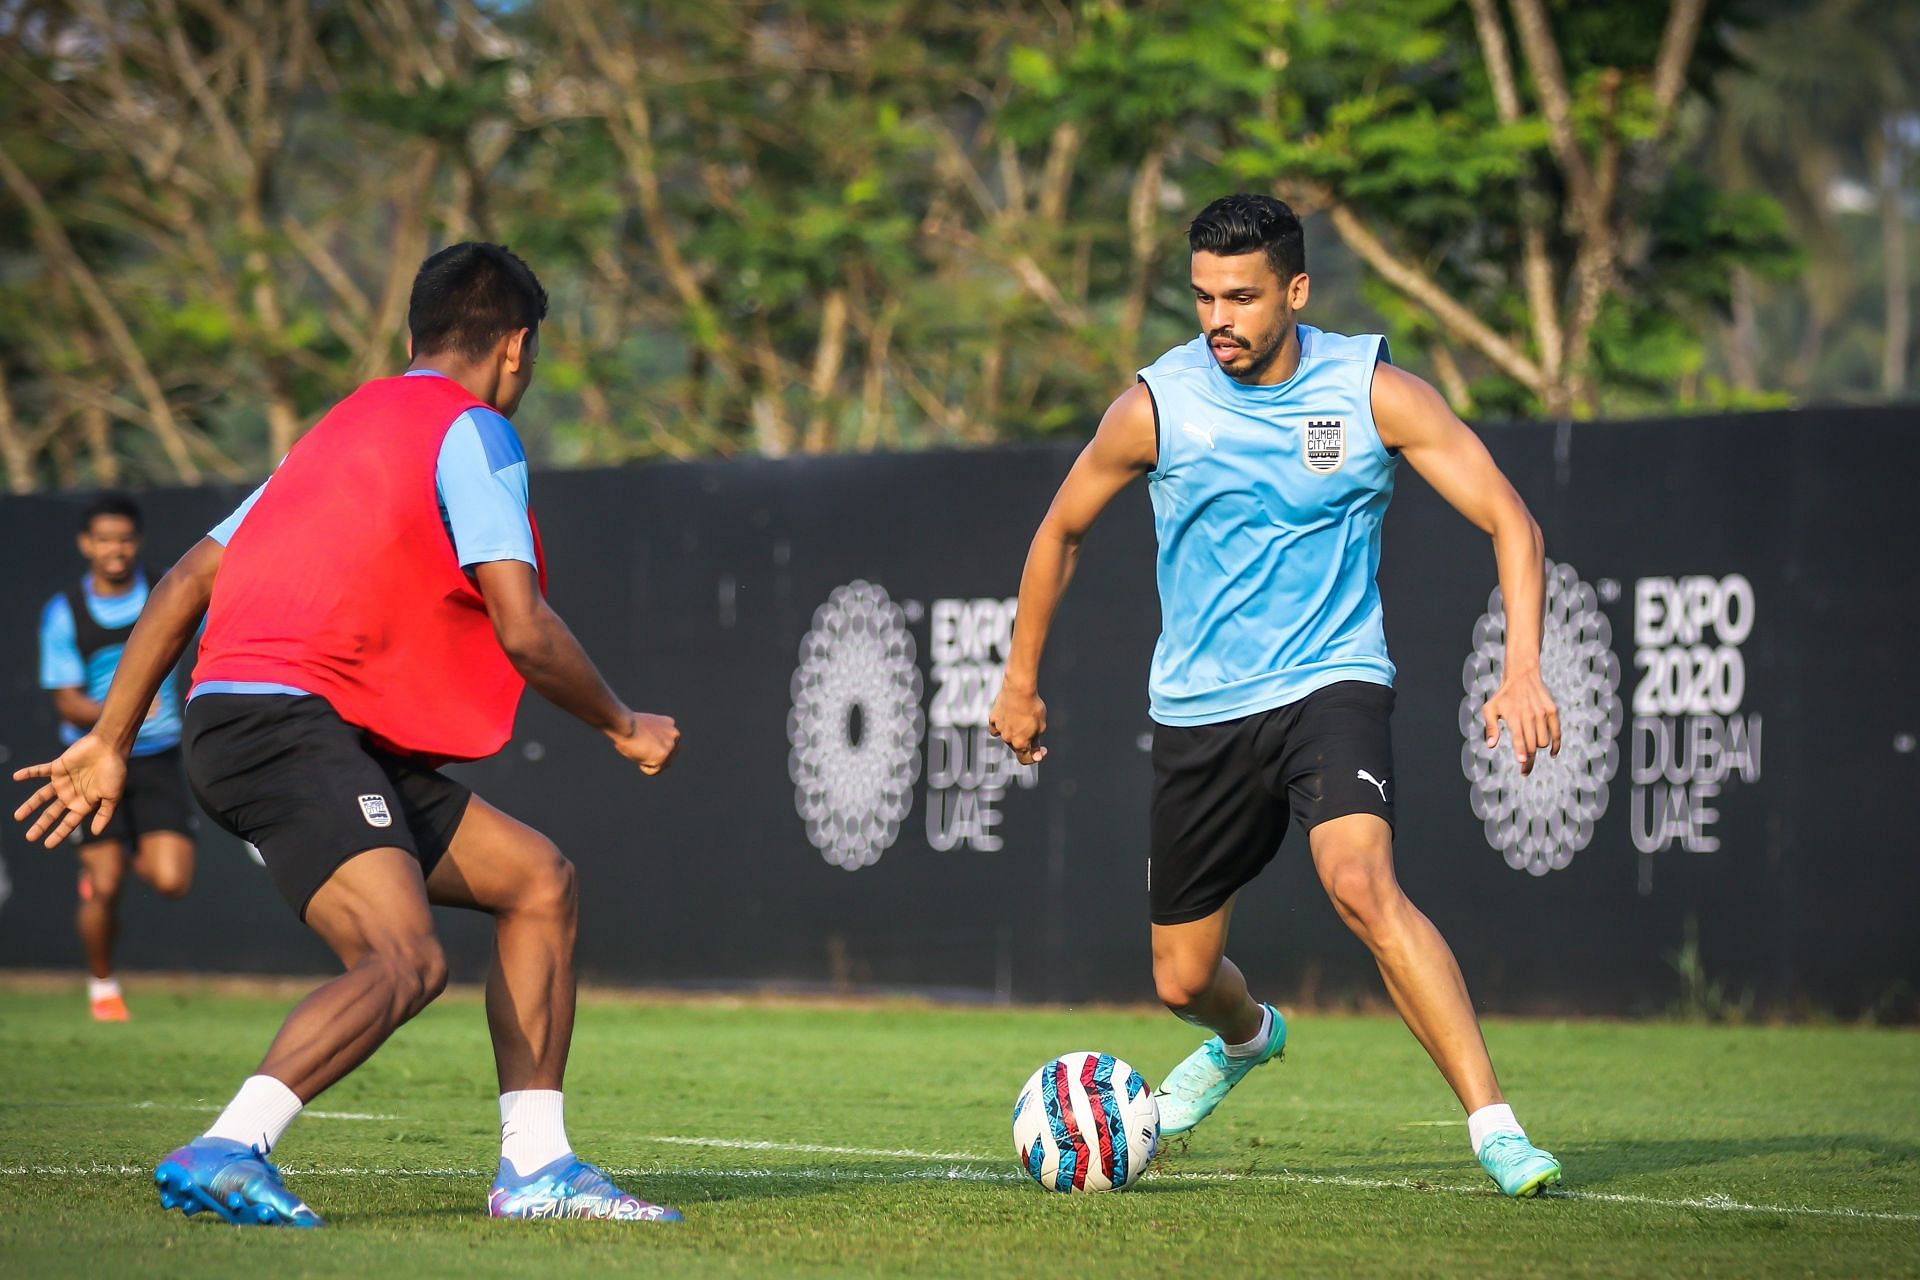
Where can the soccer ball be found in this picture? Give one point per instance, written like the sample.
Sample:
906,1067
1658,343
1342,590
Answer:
1086,1122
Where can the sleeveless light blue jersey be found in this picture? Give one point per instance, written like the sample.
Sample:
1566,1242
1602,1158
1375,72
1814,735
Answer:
1267,503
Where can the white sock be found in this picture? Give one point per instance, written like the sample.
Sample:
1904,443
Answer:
258,1114
102,988
533,1129
1253,1047
1487,1121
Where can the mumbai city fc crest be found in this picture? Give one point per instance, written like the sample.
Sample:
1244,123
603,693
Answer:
1324,444
374,808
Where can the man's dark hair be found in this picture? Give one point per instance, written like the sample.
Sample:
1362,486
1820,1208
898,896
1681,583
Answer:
109,504
469,296
1241,224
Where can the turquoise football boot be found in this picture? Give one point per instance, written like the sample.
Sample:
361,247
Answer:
232,1180
1194,1088
568,1188
1516,1166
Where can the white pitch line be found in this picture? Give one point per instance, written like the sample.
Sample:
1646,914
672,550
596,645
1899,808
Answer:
1716,1204
205,1108
808,1148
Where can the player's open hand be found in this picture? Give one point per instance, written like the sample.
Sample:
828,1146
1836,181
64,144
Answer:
1018,719
88,778
649,741
1532,719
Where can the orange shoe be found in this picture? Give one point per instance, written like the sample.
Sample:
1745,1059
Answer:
110,1009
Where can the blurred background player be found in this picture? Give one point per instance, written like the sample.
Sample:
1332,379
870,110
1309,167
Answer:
83,630
1270,448
373,611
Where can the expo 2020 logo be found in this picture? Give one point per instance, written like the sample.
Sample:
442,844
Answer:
1540,820
855,726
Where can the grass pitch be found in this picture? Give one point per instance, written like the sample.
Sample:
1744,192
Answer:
875,1140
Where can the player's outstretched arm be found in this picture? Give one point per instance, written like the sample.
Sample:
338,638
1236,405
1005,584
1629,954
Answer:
546,653
89,775
1124,448
1414,419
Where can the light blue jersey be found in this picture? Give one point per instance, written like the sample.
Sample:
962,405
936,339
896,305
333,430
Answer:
480,479
64,666
1267,504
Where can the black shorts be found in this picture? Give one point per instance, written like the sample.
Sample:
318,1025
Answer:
309,790
155,799
1222,793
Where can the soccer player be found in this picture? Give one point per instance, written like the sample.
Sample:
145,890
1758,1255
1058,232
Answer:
82,632
1270,450
372,610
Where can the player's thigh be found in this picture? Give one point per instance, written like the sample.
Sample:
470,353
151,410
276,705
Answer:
104,863
375,902
1213,823
1337,759
498,863
165,861
287,775
1353,856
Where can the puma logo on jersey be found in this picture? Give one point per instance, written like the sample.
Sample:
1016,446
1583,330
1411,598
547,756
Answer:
1199,433
1381,783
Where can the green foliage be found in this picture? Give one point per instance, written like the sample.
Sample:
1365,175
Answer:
989,194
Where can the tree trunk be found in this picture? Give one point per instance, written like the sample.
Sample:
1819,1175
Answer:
829,354
1893,263
874,418
773,433
58,249
1446,371
13,448
1743,335
1143,210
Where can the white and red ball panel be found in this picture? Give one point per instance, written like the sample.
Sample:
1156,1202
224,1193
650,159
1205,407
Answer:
1085,1122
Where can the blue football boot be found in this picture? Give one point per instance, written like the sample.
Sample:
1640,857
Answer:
1516,1166
1202,1080
568,1188
232,1180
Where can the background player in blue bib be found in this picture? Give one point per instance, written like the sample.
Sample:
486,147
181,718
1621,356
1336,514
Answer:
83,631
1270,450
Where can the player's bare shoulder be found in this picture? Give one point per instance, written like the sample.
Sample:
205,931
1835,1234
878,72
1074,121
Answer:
1406,408
1129,434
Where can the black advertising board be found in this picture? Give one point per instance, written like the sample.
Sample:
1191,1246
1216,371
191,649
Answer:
1729,631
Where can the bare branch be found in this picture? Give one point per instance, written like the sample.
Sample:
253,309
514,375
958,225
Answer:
630,122
1143,208
1550,85
1446,371
13,447
327,267
1536,267
828,355
58,249
1676,51
1423,289
1056,178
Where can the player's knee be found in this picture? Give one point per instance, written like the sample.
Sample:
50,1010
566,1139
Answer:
1181,984
172,881
552,887
415,971
103,883
1363,895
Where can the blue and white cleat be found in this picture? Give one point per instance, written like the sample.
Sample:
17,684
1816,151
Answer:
1516,1166
568,1188
1201,1082
232,1180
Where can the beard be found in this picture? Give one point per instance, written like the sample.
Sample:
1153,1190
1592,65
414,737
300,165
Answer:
1258,359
